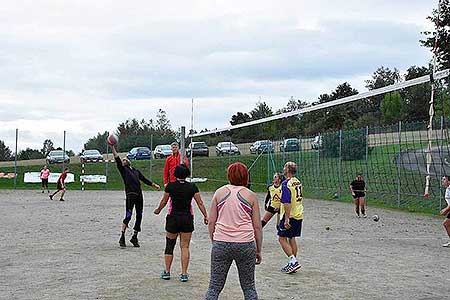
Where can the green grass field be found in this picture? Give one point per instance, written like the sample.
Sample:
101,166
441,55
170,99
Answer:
322,177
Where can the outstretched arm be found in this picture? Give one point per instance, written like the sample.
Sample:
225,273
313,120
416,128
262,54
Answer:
148,182
162,204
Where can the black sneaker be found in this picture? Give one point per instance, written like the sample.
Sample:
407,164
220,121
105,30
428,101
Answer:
122,241
134,241
51,197
61,199
42,191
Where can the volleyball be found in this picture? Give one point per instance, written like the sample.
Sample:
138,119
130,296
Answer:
112,139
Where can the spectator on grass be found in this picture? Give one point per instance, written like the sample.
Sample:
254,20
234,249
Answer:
235,232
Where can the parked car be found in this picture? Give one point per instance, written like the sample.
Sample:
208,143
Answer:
91,155
198,149
263,146
290,145
57,156
317,142
227,148
139,153
162,151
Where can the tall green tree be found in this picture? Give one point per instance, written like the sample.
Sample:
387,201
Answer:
97,142
440,18
392,107
29,153
47,147
5,152
417,97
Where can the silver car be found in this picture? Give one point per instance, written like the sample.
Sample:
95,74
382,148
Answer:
162,151
57,156
227,148
91,155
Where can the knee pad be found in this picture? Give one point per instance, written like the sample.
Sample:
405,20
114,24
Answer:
170,245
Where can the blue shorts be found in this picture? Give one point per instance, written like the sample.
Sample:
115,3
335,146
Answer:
294,231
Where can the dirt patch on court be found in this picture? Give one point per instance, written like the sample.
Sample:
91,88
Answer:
69,250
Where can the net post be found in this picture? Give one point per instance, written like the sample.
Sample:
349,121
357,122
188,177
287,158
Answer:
15,159
398,162
182,144
340,164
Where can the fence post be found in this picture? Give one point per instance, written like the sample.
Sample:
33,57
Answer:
107,165
152,155
441,158
340,164
399,162
15,160
64,151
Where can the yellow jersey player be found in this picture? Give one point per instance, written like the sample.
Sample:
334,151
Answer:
273,198
291,213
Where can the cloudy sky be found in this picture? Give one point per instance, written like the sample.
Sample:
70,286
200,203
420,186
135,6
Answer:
84,66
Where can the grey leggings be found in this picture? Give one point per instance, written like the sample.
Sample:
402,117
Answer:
222,256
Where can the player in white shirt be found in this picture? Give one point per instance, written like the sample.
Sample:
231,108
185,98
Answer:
446,211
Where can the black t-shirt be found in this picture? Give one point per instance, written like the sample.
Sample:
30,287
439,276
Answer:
131,178
181,194
358,186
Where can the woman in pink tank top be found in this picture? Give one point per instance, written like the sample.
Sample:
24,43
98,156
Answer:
236,234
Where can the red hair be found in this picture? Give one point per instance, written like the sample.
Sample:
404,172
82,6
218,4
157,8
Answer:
237,174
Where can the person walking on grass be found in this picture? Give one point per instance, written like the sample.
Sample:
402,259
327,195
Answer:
45,173
236,234
180,219
60,185
446,210
358,190
133,192
291,214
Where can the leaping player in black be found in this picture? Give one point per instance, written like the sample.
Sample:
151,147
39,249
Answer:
132,179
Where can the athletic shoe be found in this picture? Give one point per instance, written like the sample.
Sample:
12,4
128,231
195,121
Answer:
285,268
165,275
42,192
447,245
184,277
61,199
364,216
358,216
134,241
51,197
122,241
292,267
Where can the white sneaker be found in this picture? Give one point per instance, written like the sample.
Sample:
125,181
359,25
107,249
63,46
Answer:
364,216
447,245
358,216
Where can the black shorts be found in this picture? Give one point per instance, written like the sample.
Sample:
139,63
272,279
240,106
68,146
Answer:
294,231
59,186
272,209
176,223
44,182
359,195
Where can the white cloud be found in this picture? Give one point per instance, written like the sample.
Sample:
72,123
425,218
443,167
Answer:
84,66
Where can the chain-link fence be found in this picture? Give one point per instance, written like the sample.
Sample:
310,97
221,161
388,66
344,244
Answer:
391,159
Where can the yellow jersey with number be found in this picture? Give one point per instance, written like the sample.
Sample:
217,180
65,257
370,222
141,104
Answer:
292,193
275,196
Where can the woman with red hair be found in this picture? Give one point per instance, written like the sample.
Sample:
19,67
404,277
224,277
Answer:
235,232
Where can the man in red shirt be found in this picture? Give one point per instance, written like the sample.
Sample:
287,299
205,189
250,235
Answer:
171,163
60,185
